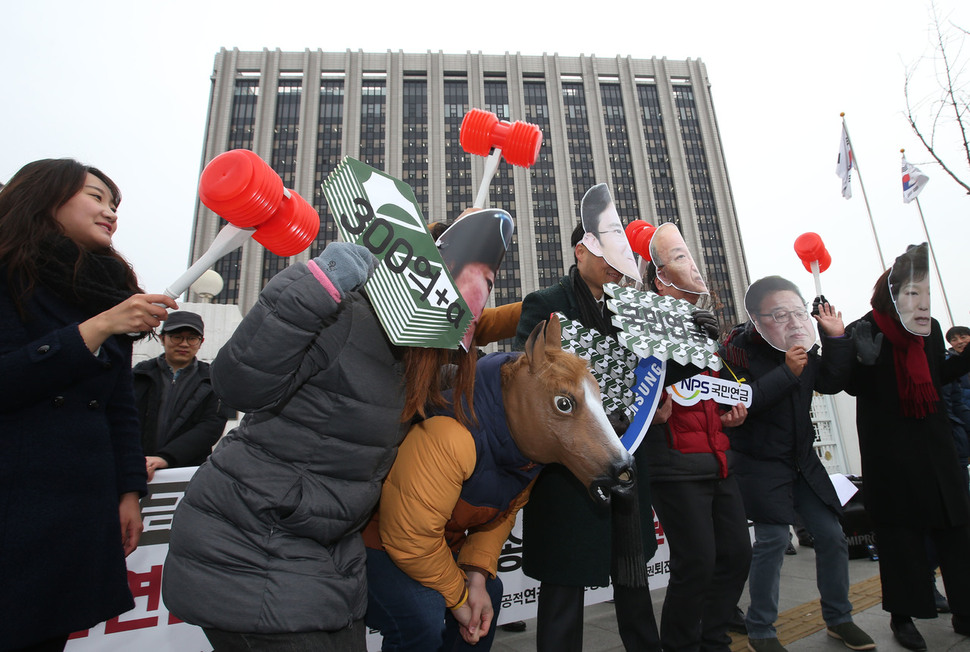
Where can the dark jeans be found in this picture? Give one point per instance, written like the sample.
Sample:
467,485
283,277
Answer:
349,639
710,553
412,617
559,621
831,565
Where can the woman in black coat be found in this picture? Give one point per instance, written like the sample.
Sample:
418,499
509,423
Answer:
71,465
914,485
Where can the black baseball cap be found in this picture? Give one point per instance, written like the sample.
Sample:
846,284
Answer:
183,319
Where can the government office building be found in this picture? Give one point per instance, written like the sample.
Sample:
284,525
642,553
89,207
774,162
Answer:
645,127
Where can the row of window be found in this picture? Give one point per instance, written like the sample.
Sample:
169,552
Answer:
373,112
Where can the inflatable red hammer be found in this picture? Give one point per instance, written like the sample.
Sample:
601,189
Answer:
483,133
639,233
815,257
244,189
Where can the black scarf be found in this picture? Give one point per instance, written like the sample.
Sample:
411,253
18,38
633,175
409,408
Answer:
89,281
591,315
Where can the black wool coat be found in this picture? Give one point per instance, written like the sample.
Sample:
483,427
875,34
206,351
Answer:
909,466
566,536
69,447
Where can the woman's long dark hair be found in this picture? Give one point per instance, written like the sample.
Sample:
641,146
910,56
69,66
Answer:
422,374
27,225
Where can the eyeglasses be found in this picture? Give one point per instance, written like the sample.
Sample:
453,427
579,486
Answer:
784,316
188,339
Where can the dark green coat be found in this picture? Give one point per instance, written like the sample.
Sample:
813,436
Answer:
566,536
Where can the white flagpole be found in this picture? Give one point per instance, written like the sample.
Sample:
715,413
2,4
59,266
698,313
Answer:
935,265
872,224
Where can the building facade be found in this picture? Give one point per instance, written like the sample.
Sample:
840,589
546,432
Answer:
645,127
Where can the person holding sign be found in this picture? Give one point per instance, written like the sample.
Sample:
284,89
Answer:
915,488
265,546
772,454
566,537
697,501
71,464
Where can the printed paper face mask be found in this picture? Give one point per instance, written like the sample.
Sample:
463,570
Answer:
605,236
675,265
473,248
779,314
909,286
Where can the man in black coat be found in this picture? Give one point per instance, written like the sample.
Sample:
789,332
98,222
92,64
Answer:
566,537
181,417
773,458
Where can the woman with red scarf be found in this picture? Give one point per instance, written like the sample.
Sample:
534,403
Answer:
913,486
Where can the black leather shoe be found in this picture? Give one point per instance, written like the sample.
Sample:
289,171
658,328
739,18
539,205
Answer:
961,625
514,626
907,635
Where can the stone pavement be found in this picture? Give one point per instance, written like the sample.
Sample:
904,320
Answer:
800,626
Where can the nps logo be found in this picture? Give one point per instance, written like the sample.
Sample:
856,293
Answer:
701,388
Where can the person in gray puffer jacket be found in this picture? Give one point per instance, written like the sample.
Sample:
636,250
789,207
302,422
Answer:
265,547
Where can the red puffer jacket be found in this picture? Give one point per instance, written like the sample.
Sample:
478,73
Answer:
690,446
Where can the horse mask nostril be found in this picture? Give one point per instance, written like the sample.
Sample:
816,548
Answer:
624,474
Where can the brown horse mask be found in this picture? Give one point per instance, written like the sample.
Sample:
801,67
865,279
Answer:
555,414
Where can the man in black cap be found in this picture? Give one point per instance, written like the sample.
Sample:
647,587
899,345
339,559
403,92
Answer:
181,417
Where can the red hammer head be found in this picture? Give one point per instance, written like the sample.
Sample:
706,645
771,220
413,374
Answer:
809,248
244,189
519,141
639,234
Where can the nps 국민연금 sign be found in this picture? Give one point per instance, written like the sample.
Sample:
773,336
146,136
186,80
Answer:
412,291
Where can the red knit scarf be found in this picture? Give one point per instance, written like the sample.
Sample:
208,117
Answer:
917,395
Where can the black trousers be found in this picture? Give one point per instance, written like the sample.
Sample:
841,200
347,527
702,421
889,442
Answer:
710,554
559,621
903,561
55,644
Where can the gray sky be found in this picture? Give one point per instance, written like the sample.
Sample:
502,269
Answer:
125,85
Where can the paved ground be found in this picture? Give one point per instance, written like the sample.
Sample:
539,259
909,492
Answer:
800,626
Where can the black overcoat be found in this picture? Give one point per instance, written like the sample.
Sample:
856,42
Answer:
566,536
69,447
909,466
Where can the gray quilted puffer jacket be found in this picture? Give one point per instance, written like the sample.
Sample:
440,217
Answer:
267,538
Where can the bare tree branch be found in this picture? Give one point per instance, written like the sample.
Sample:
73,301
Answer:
953,98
